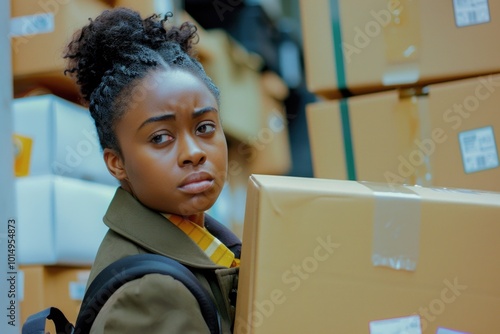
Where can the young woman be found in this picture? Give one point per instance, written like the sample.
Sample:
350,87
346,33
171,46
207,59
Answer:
158,121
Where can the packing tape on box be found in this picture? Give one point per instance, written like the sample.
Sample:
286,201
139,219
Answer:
396,226
402,42
415,105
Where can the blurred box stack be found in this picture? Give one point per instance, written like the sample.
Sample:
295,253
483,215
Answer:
40,31
407,91
62,185
62,192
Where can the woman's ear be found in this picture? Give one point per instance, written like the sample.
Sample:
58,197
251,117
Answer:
115,164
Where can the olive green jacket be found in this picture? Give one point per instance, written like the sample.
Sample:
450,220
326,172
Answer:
158,303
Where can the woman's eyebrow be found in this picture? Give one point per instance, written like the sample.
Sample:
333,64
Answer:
164,117
155,119
199,112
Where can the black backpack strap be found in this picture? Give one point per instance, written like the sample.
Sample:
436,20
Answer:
134,267
35,324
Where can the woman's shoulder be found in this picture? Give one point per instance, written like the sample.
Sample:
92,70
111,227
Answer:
155,301
113,247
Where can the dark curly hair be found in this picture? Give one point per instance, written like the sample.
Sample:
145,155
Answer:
111,54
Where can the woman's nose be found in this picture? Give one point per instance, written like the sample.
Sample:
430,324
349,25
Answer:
190,152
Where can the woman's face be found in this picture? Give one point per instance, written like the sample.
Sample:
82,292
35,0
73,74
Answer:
174,152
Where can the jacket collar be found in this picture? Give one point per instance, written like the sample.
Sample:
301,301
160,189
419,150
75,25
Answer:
152,231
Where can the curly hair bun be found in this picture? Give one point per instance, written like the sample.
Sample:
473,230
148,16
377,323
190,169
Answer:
120,37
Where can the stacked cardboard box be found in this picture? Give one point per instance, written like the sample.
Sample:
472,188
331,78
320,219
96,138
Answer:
367,46
40,32
59,138
63,189
63,186
408,91
447,137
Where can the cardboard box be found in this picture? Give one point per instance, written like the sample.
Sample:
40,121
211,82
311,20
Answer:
63,139
40,33
366,46
447,136
60,219
45,286
333,256
360,137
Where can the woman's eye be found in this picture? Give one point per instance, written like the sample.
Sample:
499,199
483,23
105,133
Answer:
205,128
161,138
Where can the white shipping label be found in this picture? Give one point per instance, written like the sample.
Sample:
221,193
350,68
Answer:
471,12
479,151
32,24
404,325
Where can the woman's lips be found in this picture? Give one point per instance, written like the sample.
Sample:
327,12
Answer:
196,183
197,187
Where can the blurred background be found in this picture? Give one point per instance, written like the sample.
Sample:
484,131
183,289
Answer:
400,92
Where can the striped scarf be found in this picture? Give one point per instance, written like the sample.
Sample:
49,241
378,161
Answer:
213,248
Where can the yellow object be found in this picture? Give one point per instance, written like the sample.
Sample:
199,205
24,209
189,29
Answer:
320,256
22,155
213,248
